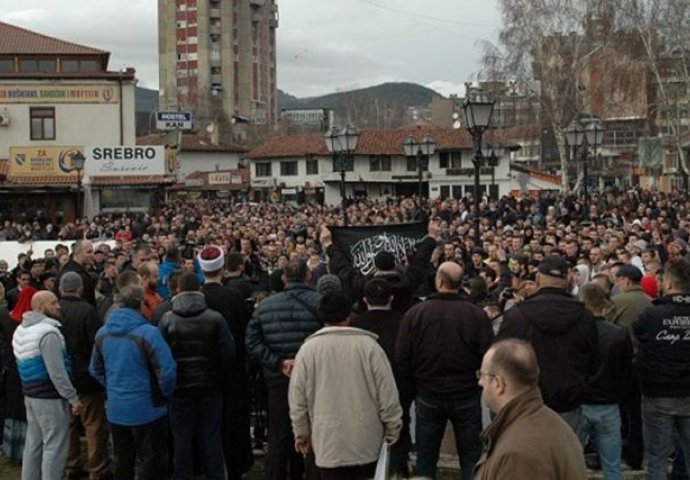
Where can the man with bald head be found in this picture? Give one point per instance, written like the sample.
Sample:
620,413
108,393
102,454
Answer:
81,262
439,347
526,439
48,392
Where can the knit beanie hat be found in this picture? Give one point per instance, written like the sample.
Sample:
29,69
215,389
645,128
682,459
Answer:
328,283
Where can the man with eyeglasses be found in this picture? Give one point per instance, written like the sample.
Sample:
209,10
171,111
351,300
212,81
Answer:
526,439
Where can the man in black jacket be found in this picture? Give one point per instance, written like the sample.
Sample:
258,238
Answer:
439,348
81,261
279,327
204,350
237,445
80,322
564,336
381,319
601,416
663,361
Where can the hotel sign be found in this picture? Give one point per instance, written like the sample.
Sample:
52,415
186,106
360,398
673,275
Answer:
42,93
42,161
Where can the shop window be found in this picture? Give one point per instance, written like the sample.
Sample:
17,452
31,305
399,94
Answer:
42,123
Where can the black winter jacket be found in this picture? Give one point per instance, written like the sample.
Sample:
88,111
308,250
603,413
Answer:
440,346
663,361
279,327
564,336
201,344
608,385
89,285
80,322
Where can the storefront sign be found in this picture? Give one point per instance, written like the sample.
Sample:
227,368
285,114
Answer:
48,94
42,161
122,161
219,178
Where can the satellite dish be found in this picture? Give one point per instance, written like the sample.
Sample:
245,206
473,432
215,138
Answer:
210,128
457,124
456,116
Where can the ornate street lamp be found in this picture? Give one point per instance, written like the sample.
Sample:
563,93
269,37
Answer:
341,145
477,109
422,151
78,161
583,134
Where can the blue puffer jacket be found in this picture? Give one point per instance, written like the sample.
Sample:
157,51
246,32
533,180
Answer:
164,271
135,365
279,327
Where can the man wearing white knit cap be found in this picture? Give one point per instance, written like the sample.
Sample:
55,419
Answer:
230,303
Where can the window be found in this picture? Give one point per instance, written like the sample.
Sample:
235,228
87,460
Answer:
312,166
380,163
6,66
288,168
47,66
69,66
263,169
89,66
28,66
449,160
42,123
411,164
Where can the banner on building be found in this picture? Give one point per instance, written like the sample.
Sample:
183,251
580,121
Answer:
361,244
125,160
650,152
42,161
58,93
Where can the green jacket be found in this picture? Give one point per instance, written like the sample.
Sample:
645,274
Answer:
627,307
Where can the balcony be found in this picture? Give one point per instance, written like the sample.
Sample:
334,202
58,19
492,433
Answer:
214,30
214,13
216,78
257,3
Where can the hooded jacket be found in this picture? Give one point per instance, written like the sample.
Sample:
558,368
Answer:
201,344
135,365
565,339
663,361
42,360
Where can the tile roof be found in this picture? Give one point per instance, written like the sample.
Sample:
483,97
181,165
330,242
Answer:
371,142
193,143
133,180
17,40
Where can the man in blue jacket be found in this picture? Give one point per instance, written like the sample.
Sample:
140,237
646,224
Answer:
134,363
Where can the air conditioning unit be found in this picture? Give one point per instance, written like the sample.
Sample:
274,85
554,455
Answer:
4,119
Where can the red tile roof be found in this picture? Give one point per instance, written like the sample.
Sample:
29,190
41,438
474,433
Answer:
17,40
133,180
371,142
193,143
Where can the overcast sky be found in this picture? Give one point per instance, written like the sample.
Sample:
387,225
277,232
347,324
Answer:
323,45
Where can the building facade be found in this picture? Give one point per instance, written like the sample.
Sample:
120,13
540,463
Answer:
217,59
299,168
56,99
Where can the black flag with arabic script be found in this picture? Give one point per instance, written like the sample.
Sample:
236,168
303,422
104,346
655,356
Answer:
361,244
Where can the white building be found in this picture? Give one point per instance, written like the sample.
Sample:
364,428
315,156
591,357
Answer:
299,168
56,98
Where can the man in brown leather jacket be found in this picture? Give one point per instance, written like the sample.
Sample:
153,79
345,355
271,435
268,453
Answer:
526,439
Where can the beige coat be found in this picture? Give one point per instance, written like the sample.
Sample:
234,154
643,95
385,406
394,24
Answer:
529,441
343,396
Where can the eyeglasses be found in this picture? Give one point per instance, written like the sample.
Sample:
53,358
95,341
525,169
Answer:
481,374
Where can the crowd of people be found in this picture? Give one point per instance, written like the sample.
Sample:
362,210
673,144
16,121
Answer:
238,324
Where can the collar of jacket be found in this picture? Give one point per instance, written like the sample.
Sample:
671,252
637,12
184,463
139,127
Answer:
552,290
524,404
447,296
676,299
343,331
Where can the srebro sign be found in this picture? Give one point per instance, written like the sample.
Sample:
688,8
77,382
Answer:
120,161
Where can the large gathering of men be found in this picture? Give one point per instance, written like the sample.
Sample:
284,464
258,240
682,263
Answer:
221,336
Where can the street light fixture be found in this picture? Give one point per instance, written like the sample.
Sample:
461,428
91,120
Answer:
422,151
78,161
477,109
341,145
583,134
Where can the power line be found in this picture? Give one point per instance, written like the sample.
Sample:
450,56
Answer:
418,16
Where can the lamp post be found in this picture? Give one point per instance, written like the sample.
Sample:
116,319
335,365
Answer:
583,134
341,145
477,109
78,161
422,151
